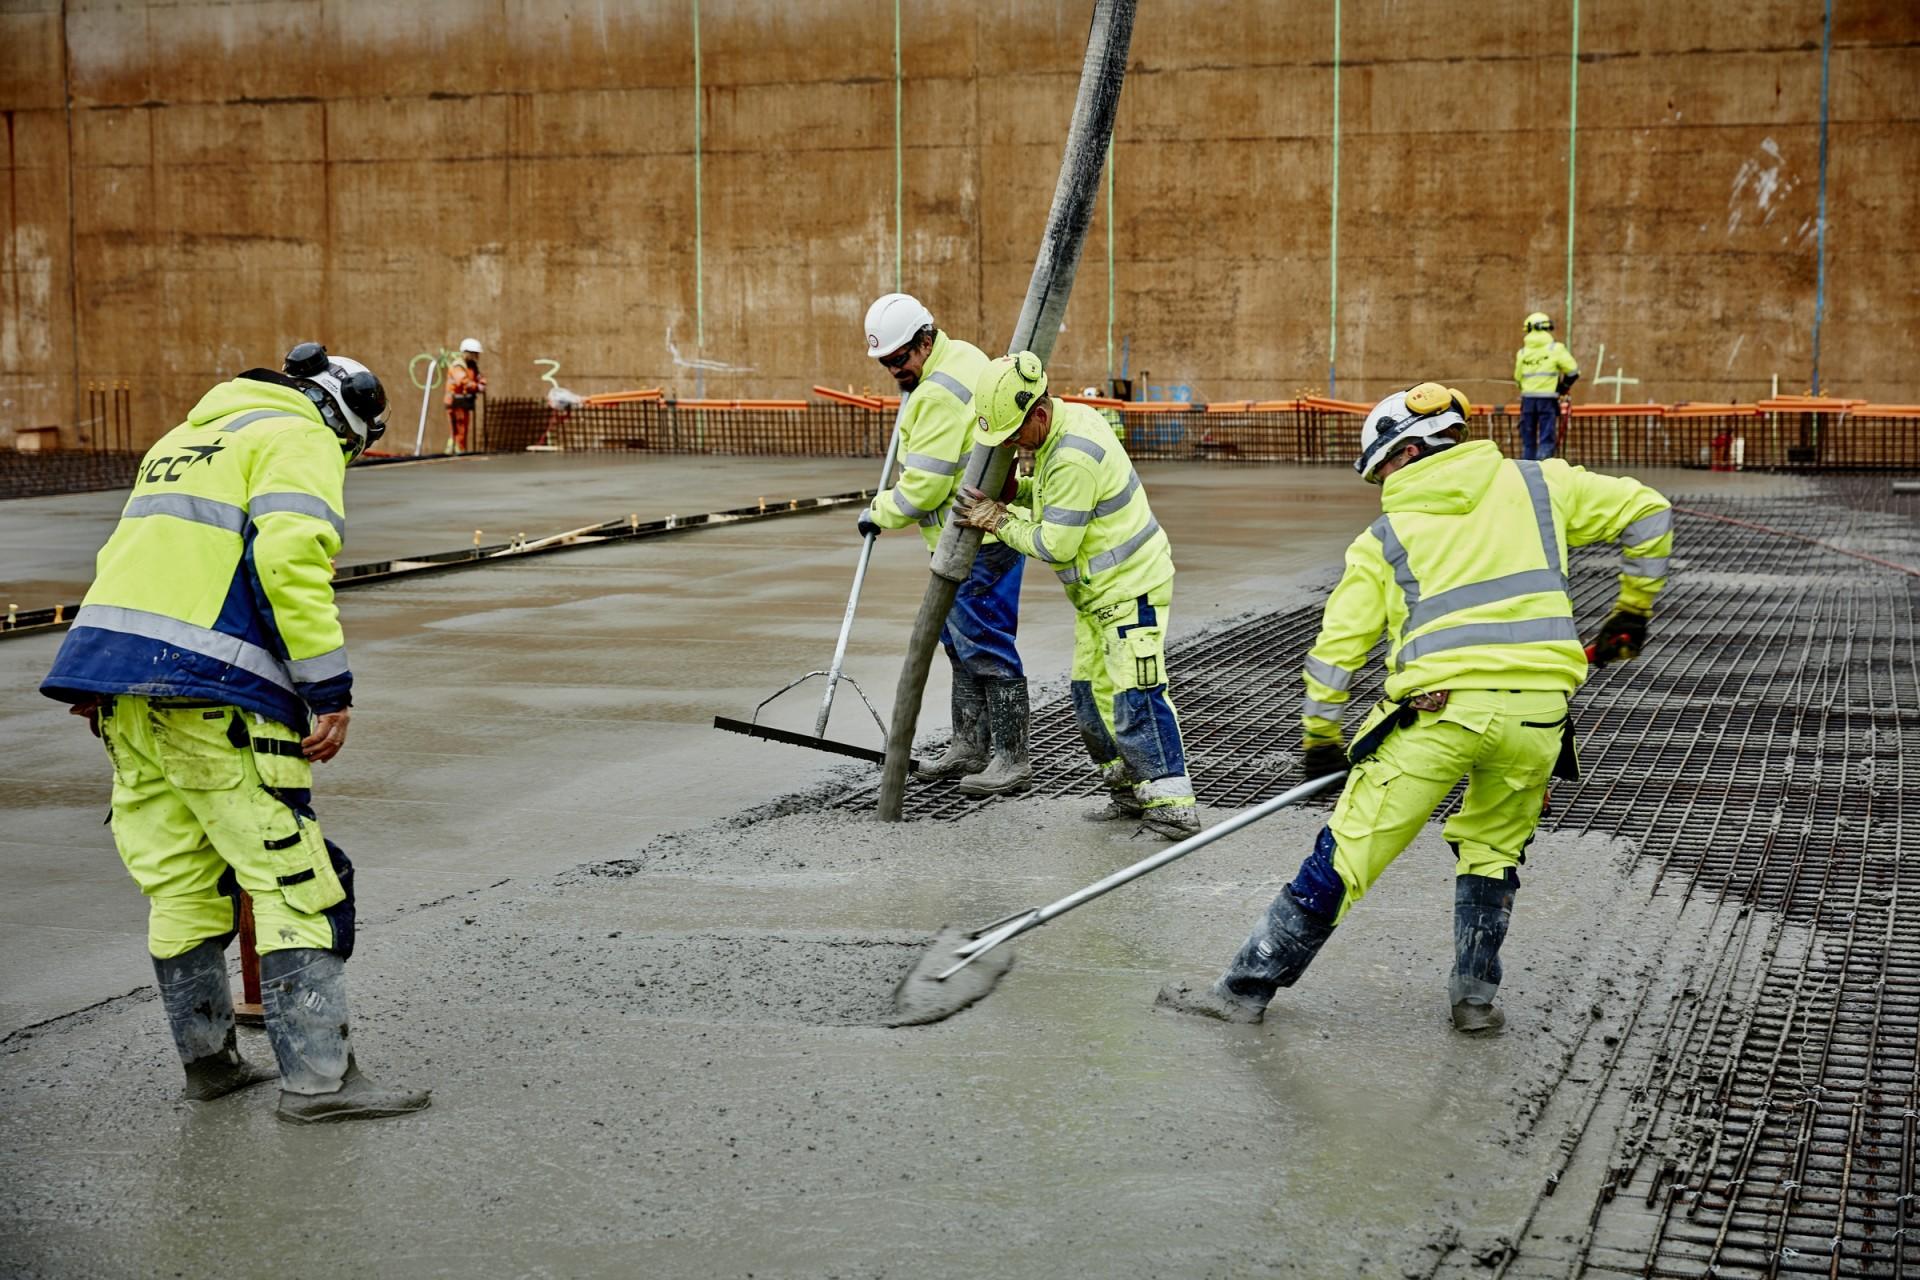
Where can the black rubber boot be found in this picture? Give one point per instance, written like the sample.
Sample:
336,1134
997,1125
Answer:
305,991
967,750
1205,999
1481,910
1007,715
1279,950
199,1005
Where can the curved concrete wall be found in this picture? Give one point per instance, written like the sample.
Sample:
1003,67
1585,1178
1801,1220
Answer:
192,186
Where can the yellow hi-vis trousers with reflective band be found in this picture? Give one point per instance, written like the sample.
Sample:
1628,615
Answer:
1121,699
1504,744
190,804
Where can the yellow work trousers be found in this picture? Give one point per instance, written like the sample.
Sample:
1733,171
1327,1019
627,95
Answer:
1503,743
193,819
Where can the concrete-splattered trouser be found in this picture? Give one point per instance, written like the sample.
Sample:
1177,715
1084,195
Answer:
1466,573
1084,513
988,751
202,654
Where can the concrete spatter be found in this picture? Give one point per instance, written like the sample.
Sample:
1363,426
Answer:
741,1113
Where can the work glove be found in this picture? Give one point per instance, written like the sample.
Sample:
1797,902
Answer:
1319,759
1621,638
976,510
869,528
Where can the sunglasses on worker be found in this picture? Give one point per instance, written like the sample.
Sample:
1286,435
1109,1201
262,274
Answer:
899,358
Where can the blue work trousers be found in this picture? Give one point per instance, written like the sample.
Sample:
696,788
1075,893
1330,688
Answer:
979,631
1539,423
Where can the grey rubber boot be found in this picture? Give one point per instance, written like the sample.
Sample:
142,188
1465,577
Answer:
967,750
1121,802
1278,951
305,991
199,1005
1007,715
1482,909
1173,821
1205,999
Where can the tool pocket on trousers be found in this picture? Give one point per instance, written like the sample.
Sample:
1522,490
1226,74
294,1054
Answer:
1143,646
302,869
195,749
1365,797
276,754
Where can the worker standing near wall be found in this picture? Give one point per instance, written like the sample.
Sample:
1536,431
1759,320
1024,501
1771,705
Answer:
1109,414
208,657
465,386
1084,512
988,751
1544,370
1466,572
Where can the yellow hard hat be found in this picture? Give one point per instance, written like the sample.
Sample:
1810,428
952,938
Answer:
1009,388
1539,320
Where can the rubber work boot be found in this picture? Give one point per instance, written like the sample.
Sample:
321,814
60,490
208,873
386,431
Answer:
1009,769
1174,821
967,750
1121,801
1278,951
1205,999
305,991
199,1005
1482,907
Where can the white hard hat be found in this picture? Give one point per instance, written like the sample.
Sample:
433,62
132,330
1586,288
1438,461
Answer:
1092,393
1415,416
893,321
350,398
471,344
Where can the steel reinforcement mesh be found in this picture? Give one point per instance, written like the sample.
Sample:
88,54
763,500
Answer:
1757,754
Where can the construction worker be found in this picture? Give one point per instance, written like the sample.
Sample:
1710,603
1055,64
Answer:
208,657
1544,370
1084,512
465,386
988,751
1110,414
1466,573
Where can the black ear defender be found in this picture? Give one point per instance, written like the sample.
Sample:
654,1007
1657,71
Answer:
305,360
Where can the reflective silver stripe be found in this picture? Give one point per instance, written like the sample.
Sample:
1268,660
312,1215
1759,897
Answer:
1543,516
1066,516
231,650
325,667
1647,528
1539,631
257,415
952,384
1396,554
1324,710
934,519
1040,545
1109,559
1644,566
301,504
221,515
927,462
1120,499
1178,787
1539,395
1527,583
1084,445
907,509
1338,679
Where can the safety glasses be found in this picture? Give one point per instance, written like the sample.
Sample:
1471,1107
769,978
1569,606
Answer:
898,359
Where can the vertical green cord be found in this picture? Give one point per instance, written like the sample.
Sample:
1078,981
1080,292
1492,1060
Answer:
899,168
1333,235
1110,280
1573,139
1820,221
699,283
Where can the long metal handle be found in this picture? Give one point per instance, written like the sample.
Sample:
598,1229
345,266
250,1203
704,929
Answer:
1014,926
859,578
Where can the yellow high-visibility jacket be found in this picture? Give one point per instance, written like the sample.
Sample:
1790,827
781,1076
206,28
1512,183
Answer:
935,439
1466,573
218,581
1539,362
1087,515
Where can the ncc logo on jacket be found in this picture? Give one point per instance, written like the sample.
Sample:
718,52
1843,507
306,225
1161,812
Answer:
160,470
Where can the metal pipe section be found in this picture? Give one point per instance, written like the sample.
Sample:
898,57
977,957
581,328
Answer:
1075,195
859,580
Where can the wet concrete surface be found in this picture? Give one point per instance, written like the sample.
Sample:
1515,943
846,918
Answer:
673,1061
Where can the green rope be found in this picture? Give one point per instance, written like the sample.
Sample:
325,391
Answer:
1110,279
699,283
1573,138
1333,235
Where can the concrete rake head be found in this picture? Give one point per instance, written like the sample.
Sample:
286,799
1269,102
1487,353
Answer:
924,995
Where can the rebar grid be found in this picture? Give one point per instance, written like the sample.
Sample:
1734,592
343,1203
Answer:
1757,754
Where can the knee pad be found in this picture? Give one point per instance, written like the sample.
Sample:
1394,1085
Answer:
341,915
1093,727
1317,887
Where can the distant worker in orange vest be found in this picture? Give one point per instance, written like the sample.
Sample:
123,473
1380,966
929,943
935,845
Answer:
465,385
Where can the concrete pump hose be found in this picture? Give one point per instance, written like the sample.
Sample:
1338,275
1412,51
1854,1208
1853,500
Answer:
1075,195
